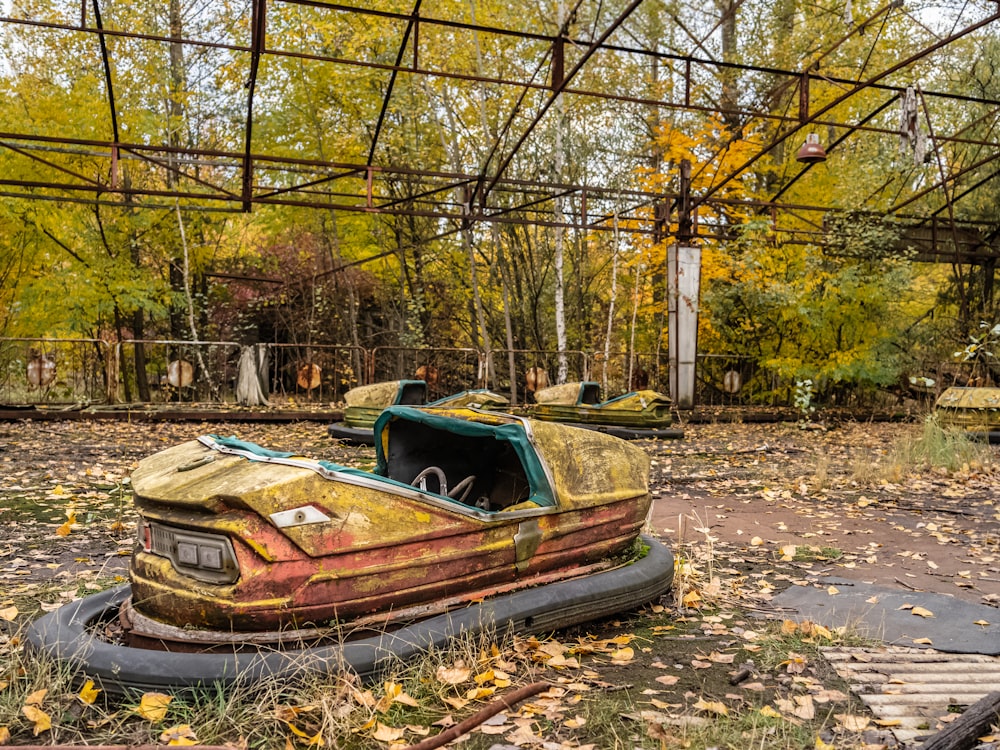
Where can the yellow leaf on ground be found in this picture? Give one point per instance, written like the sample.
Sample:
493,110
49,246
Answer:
852,722
770,713
36,698
153,706
181,734
804,707
921,612
923,641
820,745
833,591
479,693
39,718
88,693
453,675
488,676
756,541
789,627
712,707
888,722
4,735
623,655
691,599
984,623
8,613
386,733
667,679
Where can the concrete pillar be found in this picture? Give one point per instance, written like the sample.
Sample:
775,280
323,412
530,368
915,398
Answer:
683,285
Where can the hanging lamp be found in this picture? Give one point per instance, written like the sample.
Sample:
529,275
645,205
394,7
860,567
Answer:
812,150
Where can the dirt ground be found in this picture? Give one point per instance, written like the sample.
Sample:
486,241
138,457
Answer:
748,509
756,489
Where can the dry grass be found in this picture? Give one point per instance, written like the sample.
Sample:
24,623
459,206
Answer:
936,448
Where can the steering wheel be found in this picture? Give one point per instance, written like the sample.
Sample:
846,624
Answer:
420,480
459,492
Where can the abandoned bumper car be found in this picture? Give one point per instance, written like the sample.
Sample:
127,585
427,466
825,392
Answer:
973,409
364,403
257,564
637,414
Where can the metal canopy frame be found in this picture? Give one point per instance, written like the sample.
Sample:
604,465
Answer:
495,191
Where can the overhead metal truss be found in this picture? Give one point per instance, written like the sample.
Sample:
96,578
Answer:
242,170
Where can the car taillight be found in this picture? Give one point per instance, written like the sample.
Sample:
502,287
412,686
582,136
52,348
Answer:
206,557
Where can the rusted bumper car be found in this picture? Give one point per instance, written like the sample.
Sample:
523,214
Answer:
638,414
364,404
976,410
255,563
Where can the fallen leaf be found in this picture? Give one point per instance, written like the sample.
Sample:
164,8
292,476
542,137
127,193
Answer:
852,722
453,675
770,712
153,706
718,658
921,612
756,541
4,735
984,623
386,733
623,655
181,734
8,613
88,693
691,599
479,693
711,707
36,698
923,641
667,679
804,707
41,720
833,591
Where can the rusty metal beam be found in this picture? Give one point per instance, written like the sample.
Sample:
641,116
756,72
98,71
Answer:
844,97
109,84
392,79
258,29
47,162
556,91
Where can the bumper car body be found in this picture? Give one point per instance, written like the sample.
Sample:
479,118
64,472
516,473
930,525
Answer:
461,504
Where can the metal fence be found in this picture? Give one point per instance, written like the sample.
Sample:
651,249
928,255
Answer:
91,371
446,370
54,370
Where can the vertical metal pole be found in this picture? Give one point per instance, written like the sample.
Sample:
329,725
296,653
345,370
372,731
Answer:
683,286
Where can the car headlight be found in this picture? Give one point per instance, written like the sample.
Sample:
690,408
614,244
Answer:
206,557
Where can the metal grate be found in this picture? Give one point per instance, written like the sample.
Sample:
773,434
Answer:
917,690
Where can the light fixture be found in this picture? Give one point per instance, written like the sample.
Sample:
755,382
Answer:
812,150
